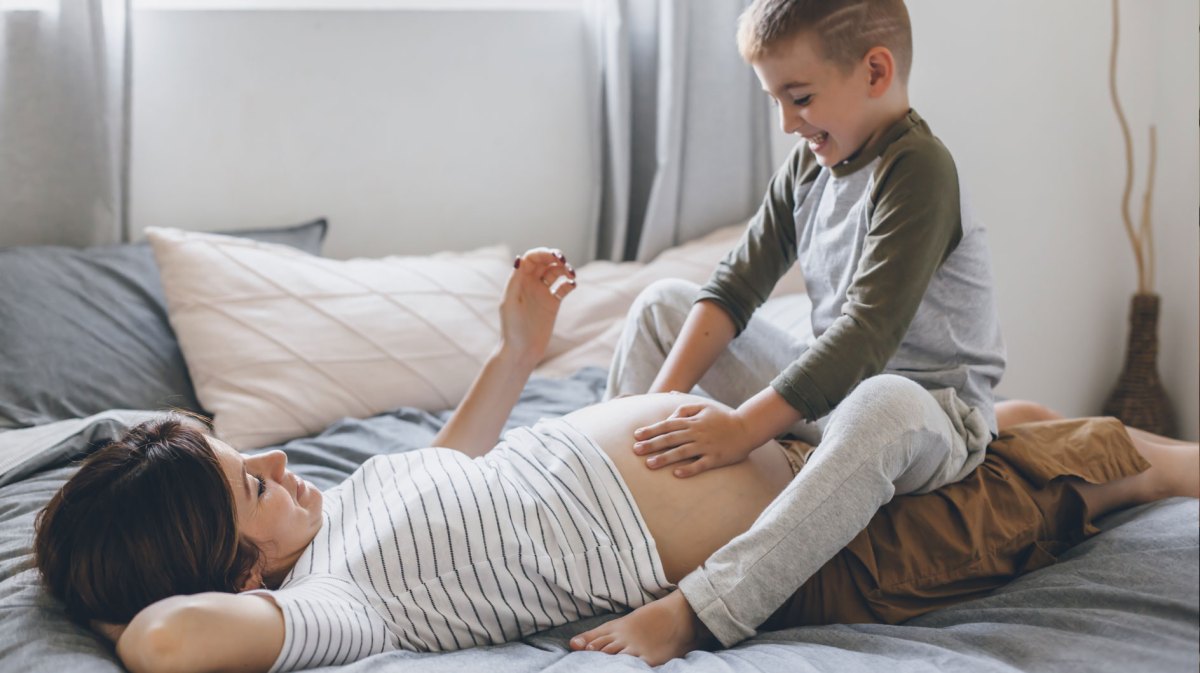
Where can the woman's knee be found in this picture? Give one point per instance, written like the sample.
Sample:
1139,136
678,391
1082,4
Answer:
1015,412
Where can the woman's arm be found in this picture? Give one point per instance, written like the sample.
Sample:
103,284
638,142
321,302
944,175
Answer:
204,632
539,281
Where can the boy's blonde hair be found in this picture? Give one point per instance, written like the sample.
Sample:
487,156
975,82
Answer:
845,29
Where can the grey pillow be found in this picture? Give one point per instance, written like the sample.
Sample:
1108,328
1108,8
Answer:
85,330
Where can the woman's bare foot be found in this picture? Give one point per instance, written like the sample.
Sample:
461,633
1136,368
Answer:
656,632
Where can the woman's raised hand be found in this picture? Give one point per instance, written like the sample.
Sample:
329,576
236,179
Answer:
541,278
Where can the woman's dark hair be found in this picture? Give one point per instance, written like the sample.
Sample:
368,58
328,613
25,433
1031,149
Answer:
148,516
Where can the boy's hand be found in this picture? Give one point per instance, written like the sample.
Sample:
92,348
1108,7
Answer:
709,432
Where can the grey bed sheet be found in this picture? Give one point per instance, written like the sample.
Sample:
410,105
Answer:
1125,600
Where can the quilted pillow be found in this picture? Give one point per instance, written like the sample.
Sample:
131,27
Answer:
280,344
83,330
590,323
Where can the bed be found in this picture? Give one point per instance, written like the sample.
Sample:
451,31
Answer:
1127,599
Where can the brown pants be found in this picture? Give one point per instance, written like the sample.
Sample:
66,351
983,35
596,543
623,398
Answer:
1014,514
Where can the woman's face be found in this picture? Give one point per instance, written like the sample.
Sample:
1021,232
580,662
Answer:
277,511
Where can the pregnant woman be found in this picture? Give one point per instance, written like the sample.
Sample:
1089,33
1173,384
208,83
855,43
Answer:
193,557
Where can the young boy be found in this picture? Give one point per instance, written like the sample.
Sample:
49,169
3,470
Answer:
897,384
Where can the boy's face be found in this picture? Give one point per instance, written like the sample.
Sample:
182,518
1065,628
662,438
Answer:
818,100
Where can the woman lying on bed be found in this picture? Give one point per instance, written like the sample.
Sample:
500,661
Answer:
473,544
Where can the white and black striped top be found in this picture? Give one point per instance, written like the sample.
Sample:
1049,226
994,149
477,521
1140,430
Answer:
433,551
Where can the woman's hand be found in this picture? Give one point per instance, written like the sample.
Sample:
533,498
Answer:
541,278
707,434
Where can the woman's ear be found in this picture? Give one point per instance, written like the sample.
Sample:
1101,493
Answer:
881,70
254,580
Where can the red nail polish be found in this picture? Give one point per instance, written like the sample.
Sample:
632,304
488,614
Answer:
517,263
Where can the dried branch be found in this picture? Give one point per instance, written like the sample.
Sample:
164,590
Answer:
1134,239
1146,231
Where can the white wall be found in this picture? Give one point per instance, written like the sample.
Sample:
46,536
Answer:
411,130
1018,91
394,123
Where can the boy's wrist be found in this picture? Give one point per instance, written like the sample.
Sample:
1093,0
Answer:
766,416
752,432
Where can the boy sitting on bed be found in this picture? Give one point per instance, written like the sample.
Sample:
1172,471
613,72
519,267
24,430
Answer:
896,387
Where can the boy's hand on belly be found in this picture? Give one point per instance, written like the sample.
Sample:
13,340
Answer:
698,436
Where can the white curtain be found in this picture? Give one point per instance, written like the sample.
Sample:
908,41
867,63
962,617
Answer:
684,139
64,122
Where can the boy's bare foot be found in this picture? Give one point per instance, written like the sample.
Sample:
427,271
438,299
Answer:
656,632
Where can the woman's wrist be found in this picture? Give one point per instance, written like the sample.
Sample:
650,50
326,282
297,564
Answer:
518,359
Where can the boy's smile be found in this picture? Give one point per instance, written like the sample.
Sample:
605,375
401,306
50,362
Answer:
836,112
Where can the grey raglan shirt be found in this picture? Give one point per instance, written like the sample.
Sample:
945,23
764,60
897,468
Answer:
896,266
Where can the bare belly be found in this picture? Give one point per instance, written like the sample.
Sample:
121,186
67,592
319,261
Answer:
689,518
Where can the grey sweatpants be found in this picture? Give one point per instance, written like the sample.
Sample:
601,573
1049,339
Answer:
889,436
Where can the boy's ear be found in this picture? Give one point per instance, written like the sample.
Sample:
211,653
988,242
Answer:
881,70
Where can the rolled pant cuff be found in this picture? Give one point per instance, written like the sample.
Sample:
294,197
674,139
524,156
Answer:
711,610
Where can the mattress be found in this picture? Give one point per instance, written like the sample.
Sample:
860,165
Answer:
1124,600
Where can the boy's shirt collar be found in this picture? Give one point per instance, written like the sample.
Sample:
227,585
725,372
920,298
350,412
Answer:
867,154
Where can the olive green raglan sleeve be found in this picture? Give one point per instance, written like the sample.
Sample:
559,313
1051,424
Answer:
914,224
746,276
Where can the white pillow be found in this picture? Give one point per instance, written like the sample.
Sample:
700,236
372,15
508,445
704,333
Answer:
280,343
590,322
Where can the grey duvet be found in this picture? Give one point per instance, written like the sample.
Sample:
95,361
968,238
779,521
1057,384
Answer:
1125,600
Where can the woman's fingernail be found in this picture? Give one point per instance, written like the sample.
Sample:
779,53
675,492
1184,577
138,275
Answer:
517,262
570,271
560,257
652,461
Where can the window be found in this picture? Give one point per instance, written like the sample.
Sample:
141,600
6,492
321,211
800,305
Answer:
28,5
341,5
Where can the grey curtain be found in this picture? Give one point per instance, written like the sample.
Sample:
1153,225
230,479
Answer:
64,123
685,147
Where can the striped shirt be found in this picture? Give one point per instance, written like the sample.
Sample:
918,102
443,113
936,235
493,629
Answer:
431,550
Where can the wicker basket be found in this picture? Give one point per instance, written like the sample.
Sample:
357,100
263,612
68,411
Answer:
1139,399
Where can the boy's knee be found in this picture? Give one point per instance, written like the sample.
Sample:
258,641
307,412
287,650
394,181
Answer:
890,386
672,291
888,396
668,293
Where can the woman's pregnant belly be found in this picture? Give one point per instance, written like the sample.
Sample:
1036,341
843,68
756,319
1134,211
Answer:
689,518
